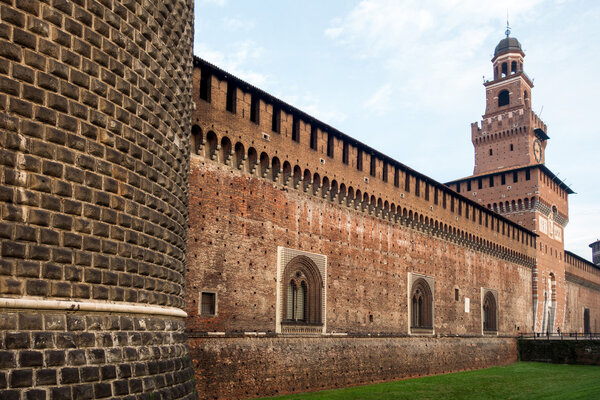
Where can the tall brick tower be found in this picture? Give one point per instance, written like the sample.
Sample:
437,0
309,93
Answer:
511,178
95,102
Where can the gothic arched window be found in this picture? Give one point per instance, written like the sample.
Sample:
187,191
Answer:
490,310
421,305
302,292
503,98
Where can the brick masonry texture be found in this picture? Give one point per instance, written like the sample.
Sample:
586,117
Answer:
275,366
95,103
264,177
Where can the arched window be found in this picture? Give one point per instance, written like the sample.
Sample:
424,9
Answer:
513,67
504,69
302,292
503,98
489,312
421,306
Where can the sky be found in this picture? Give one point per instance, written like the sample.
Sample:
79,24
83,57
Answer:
405,77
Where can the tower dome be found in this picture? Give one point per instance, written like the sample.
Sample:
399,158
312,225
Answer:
508,44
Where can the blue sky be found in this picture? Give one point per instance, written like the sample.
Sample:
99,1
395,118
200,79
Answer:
405,77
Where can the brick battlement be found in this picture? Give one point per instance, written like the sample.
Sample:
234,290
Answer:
504,124
264,136
577,267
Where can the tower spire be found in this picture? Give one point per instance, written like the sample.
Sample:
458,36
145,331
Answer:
507,32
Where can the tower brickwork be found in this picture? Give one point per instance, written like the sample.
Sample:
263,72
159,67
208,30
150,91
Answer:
596,252
95,101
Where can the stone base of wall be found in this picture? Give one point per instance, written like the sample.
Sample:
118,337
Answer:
560,351
246,367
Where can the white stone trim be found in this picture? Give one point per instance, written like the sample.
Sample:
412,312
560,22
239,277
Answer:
95,306
412,277
285,255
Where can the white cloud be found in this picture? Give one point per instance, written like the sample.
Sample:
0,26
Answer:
236,24
421,43
379,102
310,104
235,59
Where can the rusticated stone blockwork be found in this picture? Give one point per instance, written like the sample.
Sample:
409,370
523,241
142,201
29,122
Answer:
95,102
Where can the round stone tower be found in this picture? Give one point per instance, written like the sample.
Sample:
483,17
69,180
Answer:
95,102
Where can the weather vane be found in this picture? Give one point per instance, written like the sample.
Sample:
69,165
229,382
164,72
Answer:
507,25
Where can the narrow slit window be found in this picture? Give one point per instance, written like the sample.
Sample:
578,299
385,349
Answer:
373,165
205,78
255,109
407,183
276,120
384,174
296,129
313,137
515,177
345,153
330,144
359,159
231,98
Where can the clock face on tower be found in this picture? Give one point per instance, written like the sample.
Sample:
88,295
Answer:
537,150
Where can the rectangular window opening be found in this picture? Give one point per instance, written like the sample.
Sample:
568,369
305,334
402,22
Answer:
479,183
407,183
397,177
435,197
503,179
527,175
313,137
515,177
255,109
417,187
468,186
345,153
208,303
359,159
231,97
427,191
276,120
492,181
456,295
384,175
296,129
330,145
373,165
205,85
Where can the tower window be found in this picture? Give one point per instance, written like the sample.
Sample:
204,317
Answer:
417,187
296,129
384,175
492,181
435,196
504,69
396,177
479,183
512,147
458,188
503,98
373,165
455,294
345,153
527,175
513,67
515,177
255,109
205,85
503,179
407,183
491,152
359,157
468,186
231,97
276,120
330,145
313,138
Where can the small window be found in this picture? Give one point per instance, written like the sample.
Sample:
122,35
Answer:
296,129
503,179
491,152
384,175
435,196
468,186
444,200
313,137
492,181
479,183
458,188
456,296
503,98
417,187
513,67
407,183
231,97
504,69
208,303
276,120
397,177
330,145
527,175
373,165
359,159
345,153
255,109
452,204
205,78
515,177
426,191
512,147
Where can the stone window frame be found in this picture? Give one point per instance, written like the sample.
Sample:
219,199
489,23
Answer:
216,305
313,268
420,282
486,295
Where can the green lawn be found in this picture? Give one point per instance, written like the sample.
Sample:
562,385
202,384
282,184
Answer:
522,380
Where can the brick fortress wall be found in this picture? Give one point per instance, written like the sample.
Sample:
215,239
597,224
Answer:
244,206
95,101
